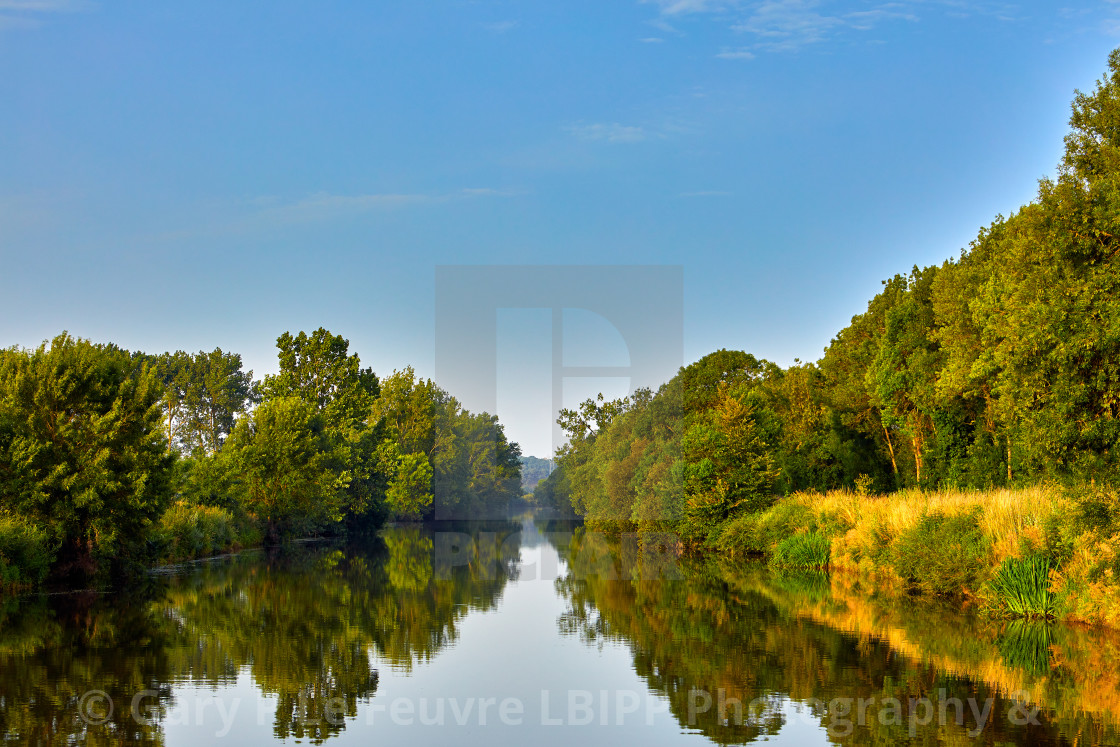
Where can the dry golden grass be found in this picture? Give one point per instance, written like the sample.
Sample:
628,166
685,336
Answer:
1012,520
1015,523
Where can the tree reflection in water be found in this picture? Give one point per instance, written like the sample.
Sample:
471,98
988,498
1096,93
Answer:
302,623
759,642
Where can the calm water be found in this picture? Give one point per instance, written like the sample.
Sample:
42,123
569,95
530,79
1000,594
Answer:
526,633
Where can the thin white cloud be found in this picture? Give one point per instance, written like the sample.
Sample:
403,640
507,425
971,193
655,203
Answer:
28,14
789,25
683,7
324,206
652,40
611,132
501,27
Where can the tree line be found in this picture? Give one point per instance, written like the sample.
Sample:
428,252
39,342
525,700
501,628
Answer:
97,443
997,368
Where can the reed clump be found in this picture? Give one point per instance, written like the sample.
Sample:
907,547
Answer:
807,550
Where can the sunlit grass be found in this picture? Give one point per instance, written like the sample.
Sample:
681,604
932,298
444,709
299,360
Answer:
1021,588
807,550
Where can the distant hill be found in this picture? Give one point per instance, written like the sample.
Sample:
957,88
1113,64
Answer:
533,470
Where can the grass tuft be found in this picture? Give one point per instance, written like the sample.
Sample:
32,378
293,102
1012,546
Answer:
1021,588
807,550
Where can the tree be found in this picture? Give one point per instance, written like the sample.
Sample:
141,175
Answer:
217,390
728,469
902,375
319,369
292,472
81,449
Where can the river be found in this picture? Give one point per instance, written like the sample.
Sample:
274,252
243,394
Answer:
536,633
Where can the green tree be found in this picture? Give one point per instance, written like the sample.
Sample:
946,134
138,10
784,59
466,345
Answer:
320,371
81,449
291,469
728,468
217,390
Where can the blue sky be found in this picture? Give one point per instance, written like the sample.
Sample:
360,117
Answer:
192,175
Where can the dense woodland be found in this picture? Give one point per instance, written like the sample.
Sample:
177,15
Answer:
110,458
999,368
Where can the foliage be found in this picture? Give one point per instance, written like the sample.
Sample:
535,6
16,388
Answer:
727,467
290,468
807,550
533,470
942,554
26,554
188,531
81,450
203,393
443,461
1021,588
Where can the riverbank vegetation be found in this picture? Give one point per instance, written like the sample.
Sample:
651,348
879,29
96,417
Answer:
914,449
111,460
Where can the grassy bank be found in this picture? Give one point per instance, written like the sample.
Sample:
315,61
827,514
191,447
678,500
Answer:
1035,552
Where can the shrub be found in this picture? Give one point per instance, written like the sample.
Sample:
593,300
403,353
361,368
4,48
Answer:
1021,588
761,532
806,550
189,531
942,554
26,554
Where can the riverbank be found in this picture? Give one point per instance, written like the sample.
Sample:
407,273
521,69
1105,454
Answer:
1044,552
186,531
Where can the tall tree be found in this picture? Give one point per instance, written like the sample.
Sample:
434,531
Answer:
216,391
81,448
319,369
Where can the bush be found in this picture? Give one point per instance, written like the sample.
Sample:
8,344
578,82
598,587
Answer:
761,532
807,550
1021,588
942,554
26,554
189,531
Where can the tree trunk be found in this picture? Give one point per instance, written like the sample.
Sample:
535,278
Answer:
916,444
1008,459
890,448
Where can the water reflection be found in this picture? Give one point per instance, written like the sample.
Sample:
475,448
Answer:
732,646
326,640
301,623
